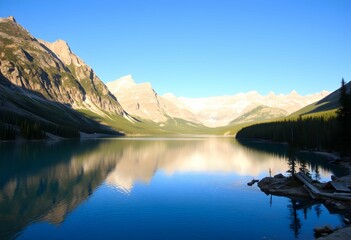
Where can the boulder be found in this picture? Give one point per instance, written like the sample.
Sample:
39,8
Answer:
323,231
279,176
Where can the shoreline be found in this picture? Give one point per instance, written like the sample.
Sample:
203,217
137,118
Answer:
333,199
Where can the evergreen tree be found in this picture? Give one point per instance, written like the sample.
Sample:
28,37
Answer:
304,168
291,161
344,116
343,110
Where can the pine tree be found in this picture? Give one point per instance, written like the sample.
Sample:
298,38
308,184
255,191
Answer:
344,116
343,100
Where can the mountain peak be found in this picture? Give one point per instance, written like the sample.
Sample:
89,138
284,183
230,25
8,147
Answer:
293,93
8,19
63,51
63,45
124,82
11,18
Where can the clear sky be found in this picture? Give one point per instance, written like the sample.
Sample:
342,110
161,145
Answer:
198,48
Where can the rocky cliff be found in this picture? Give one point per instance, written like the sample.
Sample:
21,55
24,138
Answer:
51,70
142,101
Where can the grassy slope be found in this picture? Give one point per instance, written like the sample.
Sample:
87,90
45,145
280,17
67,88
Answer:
143,127
325,107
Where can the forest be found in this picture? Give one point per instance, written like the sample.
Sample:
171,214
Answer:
13,125
325,132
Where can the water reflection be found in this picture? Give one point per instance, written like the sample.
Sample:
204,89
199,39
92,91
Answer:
41,181
142,158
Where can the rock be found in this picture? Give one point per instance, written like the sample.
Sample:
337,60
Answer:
323,231
283,187
52,70
11,18
253,181
279,176
340,234
339,206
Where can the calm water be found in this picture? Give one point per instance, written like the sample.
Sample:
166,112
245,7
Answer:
156,188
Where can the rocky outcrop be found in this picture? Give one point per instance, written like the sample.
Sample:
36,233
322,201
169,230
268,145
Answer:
282,186
51,70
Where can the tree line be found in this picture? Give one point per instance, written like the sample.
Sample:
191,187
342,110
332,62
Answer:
12,125
330,133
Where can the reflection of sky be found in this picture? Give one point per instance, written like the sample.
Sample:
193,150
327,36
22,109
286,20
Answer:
183,206
209,155
170,187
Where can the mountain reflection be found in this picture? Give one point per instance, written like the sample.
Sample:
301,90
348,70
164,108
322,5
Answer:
140,159
45,181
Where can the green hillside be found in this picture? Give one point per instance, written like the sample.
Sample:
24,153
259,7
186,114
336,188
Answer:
326,106
322,125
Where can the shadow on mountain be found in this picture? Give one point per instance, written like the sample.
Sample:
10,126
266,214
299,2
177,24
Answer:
18,104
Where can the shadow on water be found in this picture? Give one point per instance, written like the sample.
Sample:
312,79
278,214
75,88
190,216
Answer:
46,180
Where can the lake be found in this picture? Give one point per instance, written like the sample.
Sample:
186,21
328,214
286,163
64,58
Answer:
153,188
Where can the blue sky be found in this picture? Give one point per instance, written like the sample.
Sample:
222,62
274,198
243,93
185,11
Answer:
202,48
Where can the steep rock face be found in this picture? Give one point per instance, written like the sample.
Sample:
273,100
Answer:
52,70
142,101
138,99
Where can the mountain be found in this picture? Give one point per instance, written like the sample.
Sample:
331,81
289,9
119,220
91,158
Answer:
52,70
260,113
38,79
46,87
141,100
251,106
326,105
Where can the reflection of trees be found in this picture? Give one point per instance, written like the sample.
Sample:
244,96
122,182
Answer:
295,224
312,161
317,175
304,207
318,209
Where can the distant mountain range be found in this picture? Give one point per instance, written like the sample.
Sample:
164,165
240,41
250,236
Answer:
141,100
47,84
